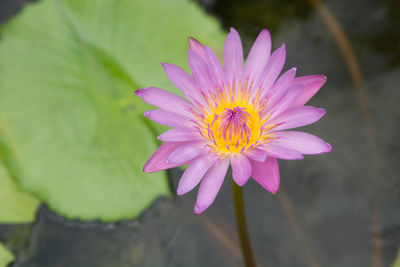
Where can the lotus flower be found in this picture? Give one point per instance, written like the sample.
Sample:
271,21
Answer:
233,115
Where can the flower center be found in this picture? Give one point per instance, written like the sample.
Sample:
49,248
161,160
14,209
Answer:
233,124
232,128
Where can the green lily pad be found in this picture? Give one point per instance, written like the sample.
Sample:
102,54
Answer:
396,262
6,256
74,128
15,206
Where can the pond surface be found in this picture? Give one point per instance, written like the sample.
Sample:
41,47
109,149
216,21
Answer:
339,209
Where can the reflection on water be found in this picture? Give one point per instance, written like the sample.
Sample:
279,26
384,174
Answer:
339,209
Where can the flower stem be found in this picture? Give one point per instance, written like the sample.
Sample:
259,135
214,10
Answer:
241,225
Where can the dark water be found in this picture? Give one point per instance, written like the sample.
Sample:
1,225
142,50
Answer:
340,209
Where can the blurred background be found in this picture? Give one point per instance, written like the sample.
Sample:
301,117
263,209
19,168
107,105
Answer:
72,140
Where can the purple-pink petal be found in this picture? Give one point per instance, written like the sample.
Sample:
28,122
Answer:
181,79
216,70
297,117
280,87
312,84
200,72
304,143
267,174
168,118
258,56
281,152
287,100
165,100
197,47
233,57
194,172
181,134
210,185
256,154
157,161
186,152
271,71
241,169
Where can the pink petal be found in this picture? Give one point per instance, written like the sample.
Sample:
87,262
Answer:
233,57
193,174
164,100
186,152
167,118
281,152
267,174
216,70
181,79
200,71
210,185
281,86
157,161
304,143
313,84
256,154
180,134
258,55
197,47
241,169
297,117
287,100
271,71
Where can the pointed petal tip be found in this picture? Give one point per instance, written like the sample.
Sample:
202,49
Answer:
139,92
198,210
274,192
197,47
267,174
266,35
231,29
281,51
183,189
233,33
241,169
264,31
322,111
240,183
166,65
328,148
146,169
192,41
180,191
319,79
274,189
314,78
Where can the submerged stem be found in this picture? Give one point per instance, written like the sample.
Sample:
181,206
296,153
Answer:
241,225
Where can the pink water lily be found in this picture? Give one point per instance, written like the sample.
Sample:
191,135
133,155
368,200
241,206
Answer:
233,115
